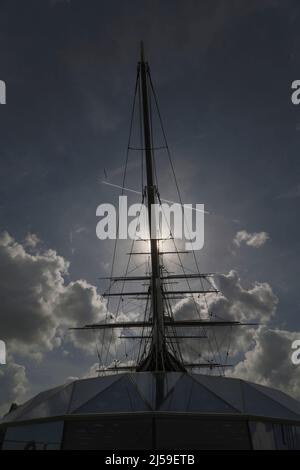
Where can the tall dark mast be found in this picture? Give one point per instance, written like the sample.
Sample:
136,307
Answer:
157,348
160,327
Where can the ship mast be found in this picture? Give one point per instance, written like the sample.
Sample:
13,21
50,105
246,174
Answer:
157,350
160,327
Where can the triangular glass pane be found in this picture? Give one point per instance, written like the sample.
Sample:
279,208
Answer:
227,389
280,397
85,390
17,415
146,385
257,403
121,396
188,395
155,387
56,405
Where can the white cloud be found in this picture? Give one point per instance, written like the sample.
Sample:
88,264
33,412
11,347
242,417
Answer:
234,303
37,306
31,240
13,385
255,240
29,287
266,353
269,362
79,304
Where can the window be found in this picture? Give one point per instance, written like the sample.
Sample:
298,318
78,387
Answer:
199,433
44,436
109,433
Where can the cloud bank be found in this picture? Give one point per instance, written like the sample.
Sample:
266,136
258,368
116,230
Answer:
260,354
38,306
254,240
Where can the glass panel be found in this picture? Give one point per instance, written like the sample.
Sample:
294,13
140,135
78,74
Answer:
191,433
228,390
109,433
56,405
189,395
18,413
85,390
121,396
256,403
155,387
145,383
280,397
44,436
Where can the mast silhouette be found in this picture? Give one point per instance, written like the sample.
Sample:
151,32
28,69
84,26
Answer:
158,359
161,355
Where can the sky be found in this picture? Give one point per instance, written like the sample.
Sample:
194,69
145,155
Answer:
223,73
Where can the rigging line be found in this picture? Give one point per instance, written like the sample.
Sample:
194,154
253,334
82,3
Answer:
178,350
166,301
224,337
213,334
179,353
107,183
178,255
166,142
172,238
119,304
175,178
194,301
123,184
185,267
180,198
211,361
229,346
152,137
141,135
97,351
169,155
123,284
137,267
145,316
143,329
124,357
193,350
170,158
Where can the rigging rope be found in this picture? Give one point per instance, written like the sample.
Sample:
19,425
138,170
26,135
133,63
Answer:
179,193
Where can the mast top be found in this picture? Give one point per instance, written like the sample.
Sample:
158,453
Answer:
142,52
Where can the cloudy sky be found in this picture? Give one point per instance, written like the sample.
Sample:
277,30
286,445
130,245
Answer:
223,74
